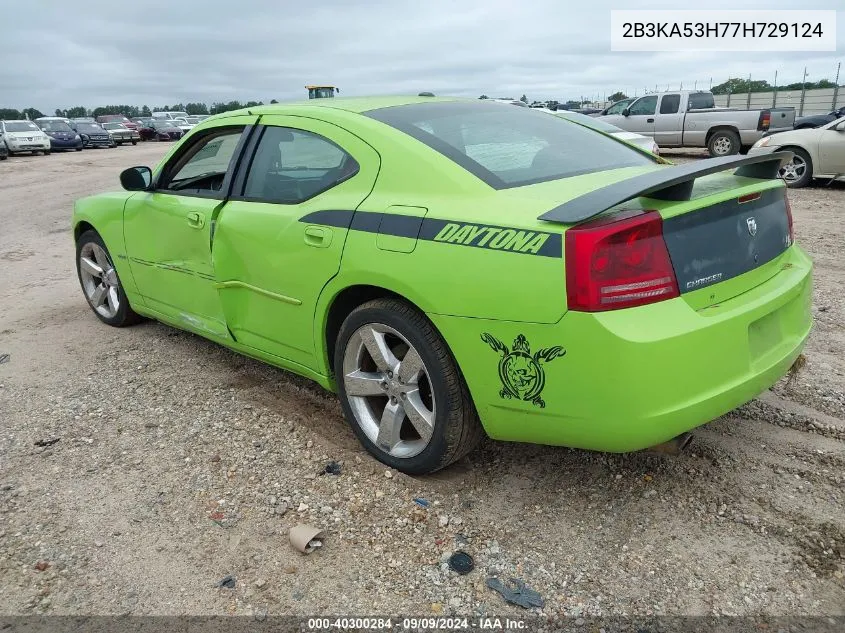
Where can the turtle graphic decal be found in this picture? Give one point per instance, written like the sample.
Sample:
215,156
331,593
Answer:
522,374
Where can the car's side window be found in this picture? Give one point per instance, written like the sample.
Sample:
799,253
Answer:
291,166
646,105
202,168
669,104
618,107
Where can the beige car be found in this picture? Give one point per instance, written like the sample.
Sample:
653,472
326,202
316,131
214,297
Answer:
819,152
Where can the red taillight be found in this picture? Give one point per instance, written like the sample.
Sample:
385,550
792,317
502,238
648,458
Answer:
765,120
789,218
618,263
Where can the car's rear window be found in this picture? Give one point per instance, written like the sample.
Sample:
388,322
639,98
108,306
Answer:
506,146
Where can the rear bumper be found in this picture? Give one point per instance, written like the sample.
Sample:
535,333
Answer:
634,378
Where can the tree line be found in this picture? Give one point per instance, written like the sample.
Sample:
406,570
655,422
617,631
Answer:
131,111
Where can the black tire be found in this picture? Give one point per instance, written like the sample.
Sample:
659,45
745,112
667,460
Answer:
46,152
807,176
134,142
125,315
723,139
78,149
4,156
457,429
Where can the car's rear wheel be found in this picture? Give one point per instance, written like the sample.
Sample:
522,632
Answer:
799,171
46,152
723,143
100,282
401,390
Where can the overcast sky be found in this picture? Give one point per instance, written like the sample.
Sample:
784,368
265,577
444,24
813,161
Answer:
91,52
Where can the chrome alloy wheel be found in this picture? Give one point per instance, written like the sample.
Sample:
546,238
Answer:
99,280
389,390
794,170
722,146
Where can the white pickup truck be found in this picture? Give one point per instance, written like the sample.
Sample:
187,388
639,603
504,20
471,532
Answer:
690,118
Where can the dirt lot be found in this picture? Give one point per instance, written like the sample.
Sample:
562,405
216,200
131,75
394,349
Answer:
180,463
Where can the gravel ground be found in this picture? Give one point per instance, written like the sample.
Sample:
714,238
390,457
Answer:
179,463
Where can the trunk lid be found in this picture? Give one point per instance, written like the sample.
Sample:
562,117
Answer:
725,239
724,230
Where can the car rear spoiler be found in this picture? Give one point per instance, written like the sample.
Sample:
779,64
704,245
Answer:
668,183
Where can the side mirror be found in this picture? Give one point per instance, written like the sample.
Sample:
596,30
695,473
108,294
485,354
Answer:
840,127
626,112
136,178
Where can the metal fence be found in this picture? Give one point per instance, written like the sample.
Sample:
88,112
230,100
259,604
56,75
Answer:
819,101
805,102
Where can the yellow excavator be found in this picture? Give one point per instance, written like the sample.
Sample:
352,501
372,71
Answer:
321,92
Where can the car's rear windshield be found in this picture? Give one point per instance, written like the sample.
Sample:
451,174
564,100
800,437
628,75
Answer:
506,146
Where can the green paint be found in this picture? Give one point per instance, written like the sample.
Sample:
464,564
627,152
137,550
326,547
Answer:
628,379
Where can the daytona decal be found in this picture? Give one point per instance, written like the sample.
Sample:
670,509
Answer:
492,237
497,238
522,374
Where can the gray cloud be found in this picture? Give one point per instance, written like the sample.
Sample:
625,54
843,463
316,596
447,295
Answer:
93,52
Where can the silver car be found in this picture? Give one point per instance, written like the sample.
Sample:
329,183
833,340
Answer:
818,152
121,134
23,136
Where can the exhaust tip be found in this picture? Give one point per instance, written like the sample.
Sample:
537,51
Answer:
675,446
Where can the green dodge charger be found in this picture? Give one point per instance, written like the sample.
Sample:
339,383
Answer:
453,268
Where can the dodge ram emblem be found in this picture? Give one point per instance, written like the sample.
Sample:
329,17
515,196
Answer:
752,226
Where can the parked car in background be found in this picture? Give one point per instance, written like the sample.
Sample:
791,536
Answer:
183,124
817,120
121,134
62,135
117,118
163,130
93,135
617,106
587,111
144,127
170,115
24,136
817,152
690,118
643,142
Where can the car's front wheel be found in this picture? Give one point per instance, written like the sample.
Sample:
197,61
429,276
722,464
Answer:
401,390
100,282
799,171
